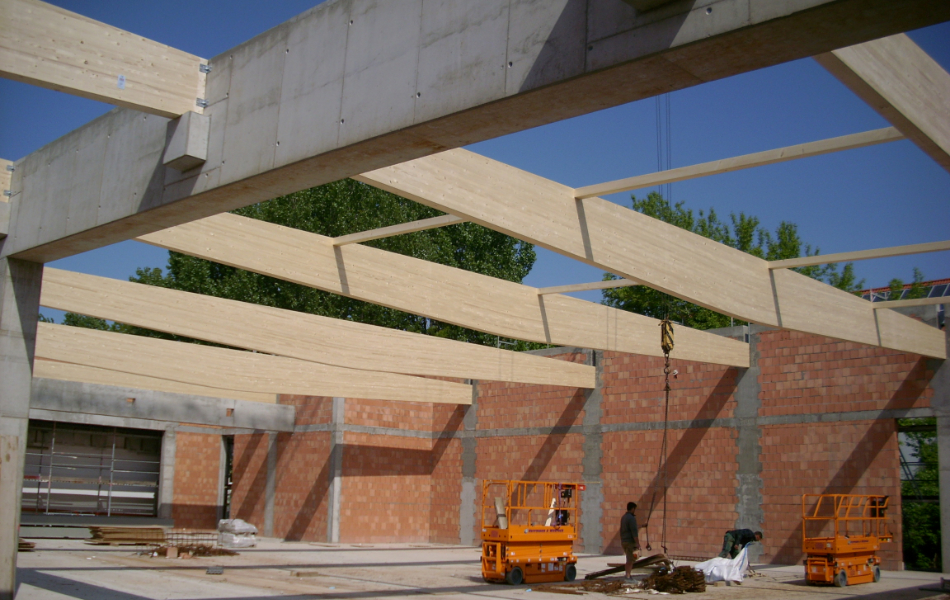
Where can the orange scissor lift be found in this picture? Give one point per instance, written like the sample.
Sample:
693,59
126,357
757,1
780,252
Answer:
841,534
528,531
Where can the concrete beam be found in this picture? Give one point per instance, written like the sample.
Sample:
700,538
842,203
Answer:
903,84
349,87
107,400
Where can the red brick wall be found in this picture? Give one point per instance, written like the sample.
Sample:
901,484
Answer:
808,374
197,464
701,468
302,485
446,474
249,478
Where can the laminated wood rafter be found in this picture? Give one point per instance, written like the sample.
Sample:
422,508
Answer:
57,49
47,369
432,290
895,77
299,335
384,232
747,161
235,369
823,259
633,245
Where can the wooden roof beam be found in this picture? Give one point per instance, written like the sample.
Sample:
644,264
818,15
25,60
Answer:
432,290
638,247
299,335
393,230
54,48
895,77
823,259
234,369
728,165
911,302
584,287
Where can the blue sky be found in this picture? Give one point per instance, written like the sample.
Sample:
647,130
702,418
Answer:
886,195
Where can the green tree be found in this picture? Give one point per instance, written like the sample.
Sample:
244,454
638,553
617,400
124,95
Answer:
917,290
337,209
742,232
921,519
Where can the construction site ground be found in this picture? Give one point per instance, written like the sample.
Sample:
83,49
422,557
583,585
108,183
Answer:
64,569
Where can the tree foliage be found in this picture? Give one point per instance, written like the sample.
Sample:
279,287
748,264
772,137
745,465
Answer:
742,232
921,520
333,210
917,289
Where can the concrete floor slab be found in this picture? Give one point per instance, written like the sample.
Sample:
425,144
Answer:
72,569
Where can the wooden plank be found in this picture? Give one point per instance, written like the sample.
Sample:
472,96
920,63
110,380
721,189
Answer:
806,261
635,246
903,84
48,369
911,302
384,232
51,47
583,287
298,335
235,369
435,291
728,165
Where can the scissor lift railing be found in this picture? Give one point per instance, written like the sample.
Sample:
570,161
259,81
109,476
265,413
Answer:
841,534
528,530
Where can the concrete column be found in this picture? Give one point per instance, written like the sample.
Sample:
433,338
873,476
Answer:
336,469
592,499
19,311
470,492
166,482
270,486
940,402
749,474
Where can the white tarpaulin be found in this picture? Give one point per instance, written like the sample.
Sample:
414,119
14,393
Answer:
725,569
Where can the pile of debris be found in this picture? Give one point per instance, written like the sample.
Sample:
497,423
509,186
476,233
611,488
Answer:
188,552
678,581
127,535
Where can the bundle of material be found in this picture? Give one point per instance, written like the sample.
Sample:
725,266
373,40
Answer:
192,551
25,546
236,533
127,535
678,581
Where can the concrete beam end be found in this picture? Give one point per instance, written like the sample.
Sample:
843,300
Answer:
187,142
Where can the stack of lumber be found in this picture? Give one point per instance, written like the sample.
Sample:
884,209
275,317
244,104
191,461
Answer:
127,535
25,546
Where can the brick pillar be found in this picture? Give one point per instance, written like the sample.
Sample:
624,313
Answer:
19,311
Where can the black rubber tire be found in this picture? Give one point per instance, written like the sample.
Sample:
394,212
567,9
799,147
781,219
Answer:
877,573
841,579
515,576
570,573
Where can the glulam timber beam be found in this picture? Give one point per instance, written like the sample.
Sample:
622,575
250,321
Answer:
823,259
299,335
638,247
747,161
60,371
392,230
435,291
349,87
911,302
234,369
54,48
584,287
900,81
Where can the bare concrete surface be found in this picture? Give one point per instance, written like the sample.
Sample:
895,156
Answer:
72,569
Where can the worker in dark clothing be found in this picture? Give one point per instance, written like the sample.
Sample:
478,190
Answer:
629,537
735,540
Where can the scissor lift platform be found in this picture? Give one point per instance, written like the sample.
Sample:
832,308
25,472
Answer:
528,531
841,535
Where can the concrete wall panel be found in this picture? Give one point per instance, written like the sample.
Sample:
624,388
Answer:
132,169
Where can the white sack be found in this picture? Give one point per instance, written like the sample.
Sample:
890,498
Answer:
236,526
725,569
239,540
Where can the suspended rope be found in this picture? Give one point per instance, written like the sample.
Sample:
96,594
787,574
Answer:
666,344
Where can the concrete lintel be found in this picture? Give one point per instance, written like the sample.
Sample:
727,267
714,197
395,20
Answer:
187,146
349,87
105,400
